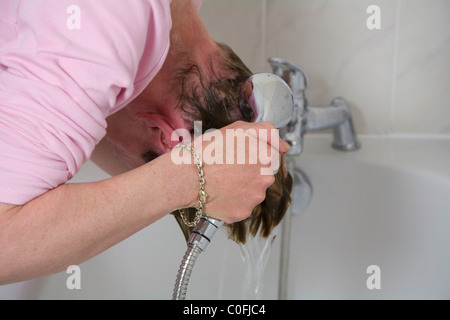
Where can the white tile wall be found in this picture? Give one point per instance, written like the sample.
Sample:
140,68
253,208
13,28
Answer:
397,79
423,79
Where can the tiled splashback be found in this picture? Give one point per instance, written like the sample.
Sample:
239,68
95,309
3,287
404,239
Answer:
396,78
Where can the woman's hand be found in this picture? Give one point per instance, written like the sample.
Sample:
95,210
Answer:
239,162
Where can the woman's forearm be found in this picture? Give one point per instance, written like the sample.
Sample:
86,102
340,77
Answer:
75,222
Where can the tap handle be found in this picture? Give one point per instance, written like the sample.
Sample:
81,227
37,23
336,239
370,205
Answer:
295,76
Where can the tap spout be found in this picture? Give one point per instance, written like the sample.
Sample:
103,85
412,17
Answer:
337,117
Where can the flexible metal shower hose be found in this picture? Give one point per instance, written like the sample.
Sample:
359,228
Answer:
184,272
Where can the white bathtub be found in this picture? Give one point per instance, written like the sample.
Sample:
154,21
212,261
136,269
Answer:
387,204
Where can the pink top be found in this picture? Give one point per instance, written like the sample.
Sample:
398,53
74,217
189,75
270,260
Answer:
65,65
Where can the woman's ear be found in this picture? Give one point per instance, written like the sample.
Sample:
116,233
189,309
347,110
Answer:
169,136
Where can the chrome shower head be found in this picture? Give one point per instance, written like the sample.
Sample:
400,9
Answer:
271,98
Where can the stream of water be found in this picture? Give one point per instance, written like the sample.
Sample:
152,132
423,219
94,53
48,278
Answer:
255,255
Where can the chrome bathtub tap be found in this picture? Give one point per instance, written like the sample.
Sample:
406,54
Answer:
336,116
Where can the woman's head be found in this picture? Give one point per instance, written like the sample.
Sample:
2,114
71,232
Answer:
212,93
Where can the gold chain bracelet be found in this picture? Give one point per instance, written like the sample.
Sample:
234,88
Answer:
201,194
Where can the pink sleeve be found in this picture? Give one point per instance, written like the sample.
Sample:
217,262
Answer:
65,65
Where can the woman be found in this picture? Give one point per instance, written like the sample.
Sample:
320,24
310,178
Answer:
112,81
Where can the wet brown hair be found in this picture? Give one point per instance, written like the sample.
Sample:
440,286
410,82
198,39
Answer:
217,102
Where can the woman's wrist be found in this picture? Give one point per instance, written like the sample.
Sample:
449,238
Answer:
201,194
183,177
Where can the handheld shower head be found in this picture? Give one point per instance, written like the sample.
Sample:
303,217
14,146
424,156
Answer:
271,98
